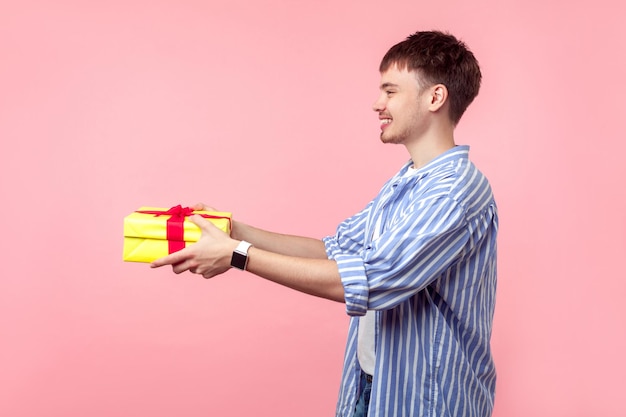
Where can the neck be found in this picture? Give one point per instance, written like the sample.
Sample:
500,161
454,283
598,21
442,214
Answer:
430,145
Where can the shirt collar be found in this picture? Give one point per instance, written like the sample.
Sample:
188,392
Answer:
451,155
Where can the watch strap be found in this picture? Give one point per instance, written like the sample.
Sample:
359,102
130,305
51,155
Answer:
239,259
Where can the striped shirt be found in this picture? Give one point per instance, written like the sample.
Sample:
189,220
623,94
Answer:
430,275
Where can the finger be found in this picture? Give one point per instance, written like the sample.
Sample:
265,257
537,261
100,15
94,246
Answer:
204,225
204,207
182,267
173,259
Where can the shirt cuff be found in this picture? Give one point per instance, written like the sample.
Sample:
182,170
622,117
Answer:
354,280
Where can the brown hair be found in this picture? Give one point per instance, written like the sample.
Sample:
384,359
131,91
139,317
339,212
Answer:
439,58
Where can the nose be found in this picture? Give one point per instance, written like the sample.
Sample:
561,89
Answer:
379,104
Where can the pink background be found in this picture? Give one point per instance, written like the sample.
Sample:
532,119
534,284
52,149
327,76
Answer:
264,109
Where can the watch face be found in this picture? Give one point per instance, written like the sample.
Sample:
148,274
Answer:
239,260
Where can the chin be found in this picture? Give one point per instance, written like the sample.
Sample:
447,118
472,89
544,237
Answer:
390,139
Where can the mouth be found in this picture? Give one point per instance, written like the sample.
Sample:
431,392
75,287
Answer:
384,123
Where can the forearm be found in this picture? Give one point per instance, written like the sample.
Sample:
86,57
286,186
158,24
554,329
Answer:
290,245
312,273
318,277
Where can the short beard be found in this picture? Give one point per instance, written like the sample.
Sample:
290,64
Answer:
394,139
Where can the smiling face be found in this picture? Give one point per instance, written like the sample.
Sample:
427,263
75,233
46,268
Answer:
401,107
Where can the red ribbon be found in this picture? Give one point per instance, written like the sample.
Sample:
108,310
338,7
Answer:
175,231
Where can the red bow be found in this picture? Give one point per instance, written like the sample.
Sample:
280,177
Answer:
175,229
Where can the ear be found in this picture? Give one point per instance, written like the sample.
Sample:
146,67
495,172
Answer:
438,97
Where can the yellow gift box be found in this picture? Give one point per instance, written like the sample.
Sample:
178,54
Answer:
151,233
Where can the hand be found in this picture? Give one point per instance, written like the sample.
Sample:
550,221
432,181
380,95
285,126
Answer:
210,256
202,206
233,223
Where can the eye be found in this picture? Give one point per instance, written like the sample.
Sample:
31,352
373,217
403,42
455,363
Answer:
389,93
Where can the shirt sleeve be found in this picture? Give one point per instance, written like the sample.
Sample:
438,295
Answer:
344,248
349,236
412,252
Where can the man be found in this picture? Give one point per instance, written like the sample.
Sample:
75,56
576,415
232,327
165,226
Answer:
416,267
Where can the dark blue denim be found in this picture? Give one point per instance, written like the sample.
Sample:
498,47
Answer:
363,402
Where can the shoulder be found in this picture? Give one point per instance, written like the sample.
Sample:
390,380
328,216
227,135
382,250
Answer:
456,181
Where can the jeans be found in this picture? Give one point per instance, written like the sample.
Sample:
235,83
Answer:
363,402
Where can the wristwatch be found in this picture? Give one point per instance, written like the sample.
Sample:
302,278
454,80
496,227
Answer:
240,255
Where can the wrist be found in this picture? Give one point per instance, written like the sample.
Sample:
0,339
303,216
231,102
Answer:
239,258
235,228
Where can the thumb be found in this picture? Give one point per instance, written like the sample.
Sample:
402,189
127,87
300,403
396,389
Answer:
204,225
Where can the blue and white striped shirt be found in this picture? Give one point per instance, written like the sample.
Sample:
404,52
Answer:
430,275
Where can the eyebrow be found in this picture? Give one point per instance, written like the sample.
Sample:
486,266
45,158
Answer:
388,85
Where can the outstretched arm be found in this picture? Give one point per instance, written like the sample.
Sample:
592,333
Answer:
290,245
211,256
